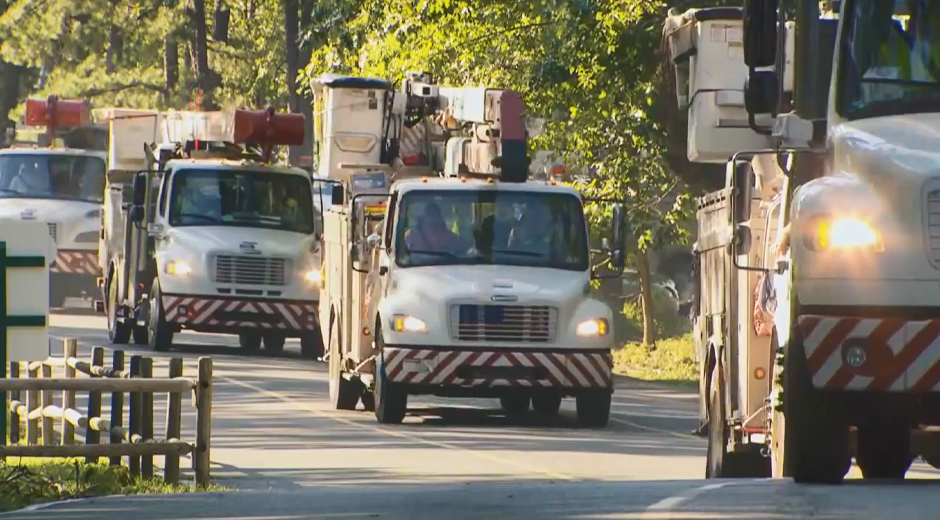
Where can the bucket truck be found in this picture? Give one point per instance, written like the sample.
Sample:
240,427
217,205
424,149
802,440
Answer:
445,271
60,182
211,236
818,262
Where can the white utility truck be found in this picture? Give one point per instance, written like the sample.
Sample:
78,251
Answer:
471,284
214,237
818,263
59,182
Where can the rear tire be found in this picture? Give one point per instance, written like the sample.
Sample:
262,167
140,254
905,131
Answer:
594,408
159,333
274,342
884,450
311,344
515,405
249,340
368,400
546,405
118,332
344,393
141,336
722,463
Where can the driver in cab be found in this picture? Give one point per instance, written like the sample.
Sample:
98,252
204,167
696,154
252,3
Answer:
431,235
196,207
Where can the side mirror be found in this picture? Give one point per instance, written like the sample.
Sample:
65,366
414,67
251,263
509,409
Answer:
743,187
373,241
155,230
140,188
760,33
742,240
762,92
684,309
617,237
137,213
338,195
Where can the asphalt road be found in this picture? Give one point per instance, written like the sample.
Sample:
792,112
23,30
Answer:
276,441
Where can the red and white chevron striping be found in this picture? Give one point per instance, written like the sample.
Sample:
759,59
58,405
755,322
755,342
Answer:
212,312
902,355
568,370
80,262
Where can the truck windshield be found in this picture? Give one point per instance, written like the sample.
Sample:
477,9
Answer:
52,176
241,198
890,58
504,228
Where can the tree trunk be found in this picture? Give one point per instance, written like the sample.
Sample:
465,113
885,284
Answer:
203,74
646,290
114,36
171,65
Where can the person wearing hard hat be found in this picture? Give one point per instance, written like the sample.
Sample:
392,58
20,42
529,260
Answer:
30,180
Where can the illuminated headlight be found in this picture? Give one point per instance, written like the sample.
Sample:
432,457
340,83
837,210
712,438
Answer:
845,233
178,268
88,237
312,276
594,328
405,323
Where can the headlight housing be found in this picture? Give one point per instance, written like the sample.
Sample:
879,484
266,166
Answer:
406,323
846,233
593,328
177,267
88,237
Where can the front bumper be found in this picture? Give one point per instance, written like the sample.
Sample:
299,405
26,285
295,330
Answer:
74,261
495,367
207,313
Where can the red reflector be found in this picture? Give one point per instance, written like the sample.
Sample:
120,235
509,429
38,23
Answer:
68,113
264,126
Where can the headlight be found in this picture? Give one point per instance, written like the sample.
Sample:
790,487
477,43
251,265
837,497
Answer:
312,276
594,328
405,323
178,268
844,233
88,237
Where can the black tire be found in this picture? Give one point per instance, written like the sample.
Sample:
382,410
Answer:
884,450
141,336
594,407
250,340
118,332
368,400
274,341
311,344
159,332
546,405
720,462
391,399
344,393
515,405
816,436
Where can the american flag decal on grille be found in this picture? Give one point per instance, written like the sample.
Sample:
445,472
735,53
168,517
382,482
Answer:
533,369
217,312
81,262
899,355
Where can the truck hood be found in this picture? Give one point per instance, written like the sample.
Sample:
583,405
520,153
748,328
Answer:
480,283
268,242
51,210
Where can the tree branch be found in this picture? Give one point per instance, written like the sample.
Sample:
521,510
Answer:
92,92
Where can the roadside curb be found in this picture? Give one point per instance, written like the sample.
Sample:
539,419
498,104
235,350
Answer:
44,505
634,381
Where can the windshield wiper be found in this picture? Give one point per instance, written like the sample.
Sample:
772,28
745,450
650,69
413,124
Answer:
435,253
519,253
197,215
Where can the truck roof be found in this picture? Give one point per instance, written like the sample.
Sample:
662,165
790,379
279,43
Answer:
451,183
38,150
229,164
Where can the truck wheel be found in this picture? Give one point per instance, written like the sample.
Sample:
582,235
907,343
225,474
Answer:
368,400
546,405
815,435
884,450
141,336
274,342
344,393
594,407
391,399
311,344
160,335
249,340
119,333
515,405
722,463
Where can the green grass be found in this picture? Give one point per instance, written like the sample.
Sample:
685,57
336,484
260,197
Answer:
28,481
671,362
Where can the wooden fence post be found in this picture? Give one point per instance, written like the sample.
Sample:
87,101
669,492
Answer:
146,418
32,403
93,436
174,417
203,421
48,425
69,350
14,396
117,405
134,416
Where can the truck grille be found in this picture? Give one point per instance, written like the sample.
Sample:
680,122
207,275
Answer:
53,231
933,226
246,270
510,323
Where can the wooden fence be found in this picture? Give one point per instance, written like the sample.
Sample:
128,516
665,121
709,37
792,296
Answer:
38,411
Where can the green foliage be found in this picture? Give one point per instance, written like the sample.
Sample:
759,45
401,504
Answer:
668,321
672,361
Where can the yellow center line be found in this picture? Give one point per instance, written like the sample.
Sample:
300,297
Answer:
392,433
